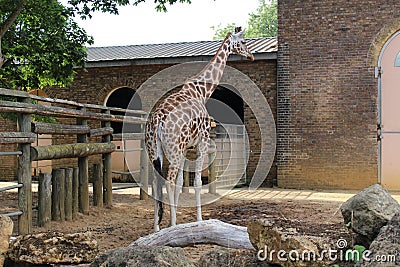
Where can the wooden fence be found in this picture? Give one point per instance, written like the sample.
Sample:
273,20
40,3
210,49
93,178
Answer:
23,105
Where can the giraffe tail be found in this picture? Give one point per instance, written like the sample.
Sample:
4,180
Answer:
157,167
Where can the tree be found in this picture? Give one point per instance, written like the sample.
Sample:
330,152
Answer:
40,43
263,23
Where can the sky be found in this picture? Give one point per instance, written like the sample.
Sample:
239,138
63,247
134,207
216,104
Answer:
182,23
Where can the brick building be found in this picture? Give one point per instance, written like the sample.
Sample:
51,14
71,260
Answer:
327,82
328,91
114,74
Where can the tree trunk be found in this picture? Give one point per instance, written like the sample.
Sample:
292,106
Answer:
203,232
6,26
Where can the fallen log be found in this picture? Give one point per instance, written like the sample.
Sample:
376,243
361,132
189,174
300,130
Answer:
203,232
70,150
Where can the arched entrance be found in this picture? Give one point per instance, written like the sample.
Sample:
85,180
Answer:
121,98
389,112
227,107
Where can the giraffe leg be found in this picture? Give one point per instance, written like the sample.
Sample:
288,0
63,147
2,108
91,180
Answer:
172,172
156,217
197,186
179,183
202,150
157,194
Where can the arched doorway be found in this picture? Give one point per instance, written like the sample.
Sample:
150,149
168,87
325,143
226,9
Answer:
121,98
226,105
389,112
124,98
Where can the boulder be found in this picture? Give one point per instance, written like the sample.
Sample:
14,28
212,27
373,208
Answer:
286,247
231,257
368,211
143,256
54,248
6,228
386,246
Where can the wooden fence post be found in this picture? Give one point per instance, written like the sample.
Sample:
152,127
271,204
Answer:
68,193
144,171
212,187
75,193
98,185
58,195
107,176
83,165
24,175
44,199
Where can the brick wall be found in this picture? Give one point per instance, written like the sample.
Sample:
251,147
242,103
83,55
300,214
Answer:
327,93
94,85
8,164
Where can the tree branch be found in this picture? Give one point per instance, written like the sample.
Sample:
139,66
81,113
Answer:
11,19
6,26
3,59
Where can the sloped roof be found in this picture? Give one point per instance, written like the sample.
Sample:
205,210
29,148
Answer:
172,50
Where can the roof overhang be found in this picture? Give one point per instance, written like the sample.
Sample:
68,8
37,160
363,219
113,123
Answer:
172,60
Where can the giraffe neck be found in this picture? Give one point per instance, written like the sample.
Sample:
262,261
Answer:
208,79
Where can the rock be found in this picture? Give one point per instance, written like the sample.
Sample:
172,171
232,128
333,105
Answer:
230,257
54,248
385,246
6,228
269,240
143,256
368,212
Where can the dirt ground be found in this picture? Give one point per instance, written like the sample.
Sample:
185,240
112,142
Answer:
131,218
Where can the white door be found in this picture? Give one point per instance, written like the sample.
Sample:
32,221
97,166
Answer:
390,113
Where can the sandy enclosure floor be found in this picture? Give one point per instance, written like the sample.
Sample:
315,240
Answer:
131,218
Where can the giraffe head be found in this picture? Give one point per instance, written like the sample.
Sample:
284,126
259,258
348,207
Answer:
238,44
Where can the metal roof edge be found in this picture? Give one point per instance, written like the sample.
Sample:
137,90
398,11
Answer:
170,60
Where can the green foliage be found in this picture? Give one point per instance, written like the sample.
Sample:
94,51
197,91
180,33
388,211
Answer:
42,46
84,8
44,43
263,23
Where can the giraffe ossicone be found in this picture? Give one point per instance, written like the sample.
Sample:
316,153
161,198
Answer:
181,121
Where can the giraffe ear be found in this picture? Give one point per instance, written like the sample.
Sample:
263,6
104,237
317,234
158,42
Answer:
238,29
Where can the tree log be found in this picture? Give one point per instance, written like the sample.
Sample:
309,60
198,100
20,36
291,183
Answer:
44,199
53,128
101,131
58,195
70,150
68,193
203,232
98,185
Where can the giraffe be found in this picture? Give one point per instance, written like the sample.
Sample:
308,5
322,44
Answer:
181,121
